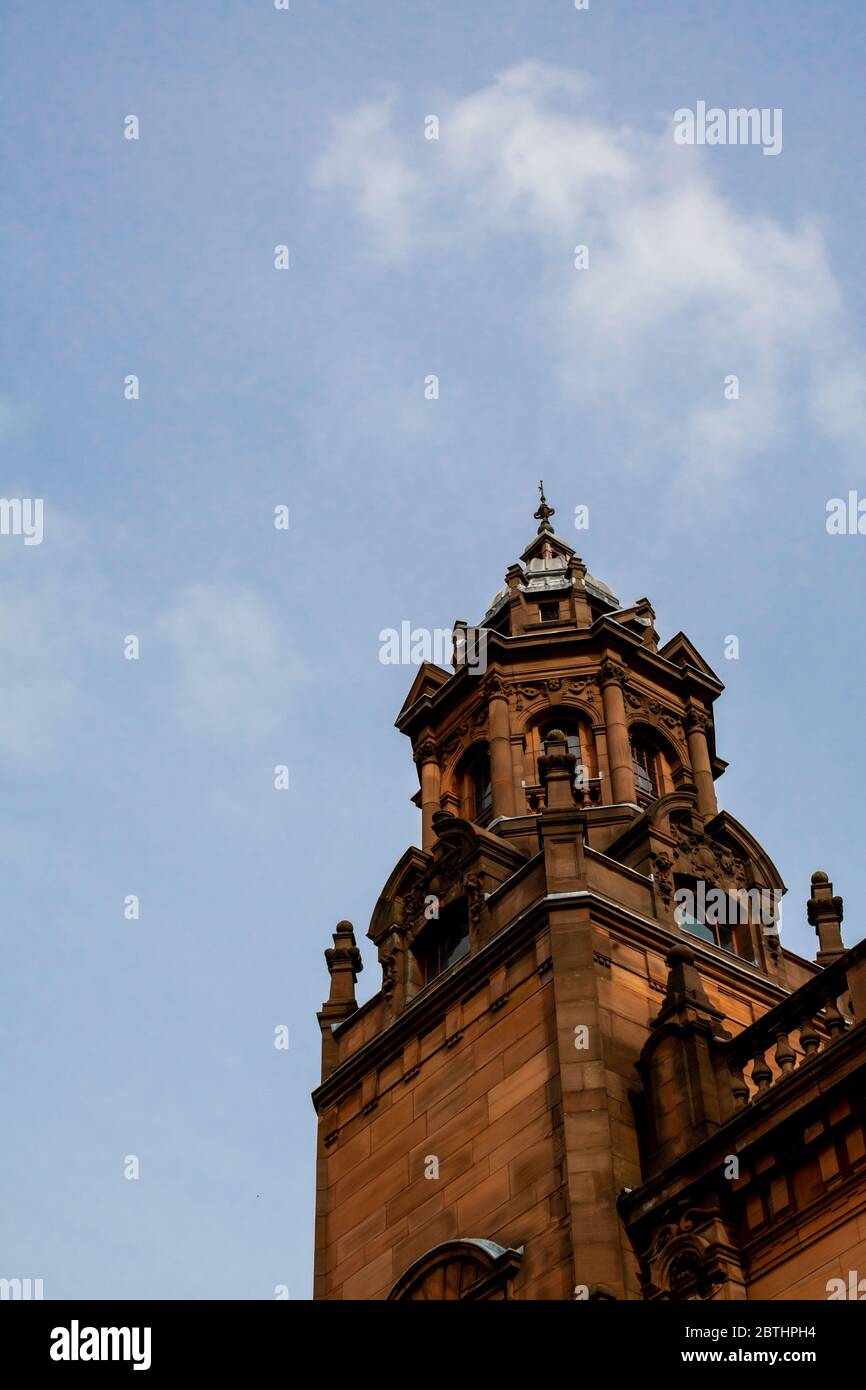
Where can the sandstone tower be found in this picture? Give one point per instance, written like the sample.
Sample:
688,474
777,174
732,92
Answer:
542,1100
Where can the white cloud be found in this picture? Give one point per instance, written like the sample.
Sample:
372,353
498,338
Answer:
364,156
683,290
213,656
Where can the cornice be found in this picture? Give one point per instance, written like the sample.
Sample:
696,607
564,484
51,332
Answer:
625,869
504,650
719,965
422,1012
522,872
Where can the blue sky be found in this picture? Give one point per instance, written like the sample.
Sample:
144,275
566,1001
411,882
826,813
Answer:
258,387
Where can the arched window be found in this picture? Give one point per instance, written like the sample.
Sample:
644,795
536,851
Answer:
644,761
579,741
470,1270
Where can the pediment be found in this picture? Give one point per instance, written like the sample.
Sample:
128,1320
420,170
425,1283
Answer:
728,829
408,870
428,680
681,652
462,852
722,851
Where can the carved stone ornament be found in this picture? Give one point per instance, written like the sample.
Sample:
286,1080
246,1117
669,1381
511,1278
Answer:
586,689
691,1256
706,859
656,713
426,752
697,719
524,694
662,866
449,749
475,894
494,688
441,881
389,975
831,907
413,903
612,672
348,954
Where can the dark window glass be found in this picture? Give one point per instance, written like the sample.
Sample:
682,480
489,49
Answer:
482,791
643,761
697,928
720,929
549,612
453,946
444,941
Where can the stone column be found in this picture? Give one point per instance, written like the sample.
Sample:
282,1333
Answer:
499,735
427,758
613,679
518,778
697,723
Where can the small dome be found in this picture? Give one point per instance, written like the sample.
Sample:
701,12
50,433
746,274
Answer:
497,601
601,590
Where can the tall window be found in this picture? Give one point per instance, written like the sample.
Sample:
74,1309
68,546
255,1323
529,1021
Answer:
480,785
444,941
644,766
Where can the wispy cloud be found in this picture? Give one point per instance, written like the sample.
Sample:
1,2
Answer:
364,156
214,657
683,291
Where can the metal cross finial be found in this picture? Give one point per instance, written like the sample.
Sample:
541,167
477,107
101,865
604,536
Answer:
544,512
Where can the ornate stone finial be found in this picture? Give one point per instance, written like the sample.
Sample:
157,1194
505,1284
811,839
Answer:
685,989
556,768
344,965
544,512
825,913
